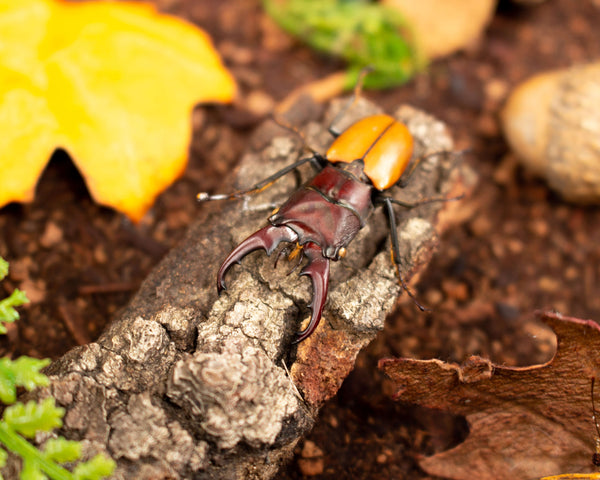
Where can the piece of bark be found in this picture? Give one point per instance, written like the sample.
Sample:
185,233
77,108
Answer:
186,384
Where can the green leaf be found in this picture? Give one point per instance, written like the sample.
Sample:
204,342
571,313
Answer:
30,418
8,382
28,374
23,372
7,305
3,458
62,450
7,310
34,417
363,33
98,467
31,470
33,460
3,268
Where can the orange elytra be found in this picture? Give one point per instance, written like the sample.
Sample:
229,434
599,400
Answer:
384,145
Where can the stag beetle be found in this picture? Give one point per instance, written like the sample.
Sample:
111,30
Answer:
324,215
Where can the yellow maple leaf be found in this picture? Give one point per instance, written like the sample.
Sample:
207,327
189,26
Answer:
112,83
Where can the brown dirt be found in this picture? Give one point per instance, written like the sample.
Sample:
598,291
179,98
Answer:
520,248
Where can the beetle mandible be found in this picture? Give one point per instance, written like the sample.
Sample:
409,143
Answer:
325,214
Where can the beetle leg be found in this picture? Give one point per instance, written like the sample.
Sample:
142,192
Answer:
396,251
424,201
318,271
267,238
259,187
297,252
281,253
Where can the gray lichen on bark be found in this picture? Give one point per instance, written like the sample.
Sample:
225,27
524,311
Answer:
235,395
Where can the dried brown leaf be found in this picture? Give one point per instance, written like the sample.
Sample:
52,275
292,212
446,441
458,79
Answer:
524,422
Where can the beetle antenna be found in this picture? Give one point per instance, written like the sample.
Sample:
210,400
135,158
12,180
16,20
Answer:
351,102
259,187
292,128
596,455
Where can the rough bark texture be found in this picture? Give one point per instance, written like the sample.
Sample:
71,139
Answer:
187,384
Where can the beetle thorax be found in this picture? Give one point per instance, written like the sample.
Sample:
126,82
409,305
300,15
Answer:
328,210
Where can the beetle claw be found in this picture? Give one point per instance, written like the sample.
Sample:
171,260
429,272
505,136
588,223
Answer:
267,239
318,271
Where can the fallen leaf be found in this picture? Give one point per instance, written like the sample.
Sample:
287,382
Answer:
442,27
365,34
112,83
524,422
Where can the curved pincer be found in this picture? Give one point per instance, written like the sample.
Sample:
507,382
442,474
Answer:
318,271
267,239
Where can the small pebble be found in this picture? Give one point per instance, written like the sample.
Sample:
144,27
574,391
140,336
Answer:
539,227
333,421
311,462
456,290
515,246
52,235
259,102
549,284
34,289
496,90
311,450
481,225
100,255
